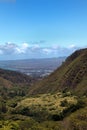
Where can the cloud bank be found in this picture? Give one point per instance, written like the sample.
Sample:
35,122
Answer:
25,50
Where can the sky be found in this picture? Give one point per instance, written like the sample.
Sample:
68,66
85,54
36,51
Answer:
42,28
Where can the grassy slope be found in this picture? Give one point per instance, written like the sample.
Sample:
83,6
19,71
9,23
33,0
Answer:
71,75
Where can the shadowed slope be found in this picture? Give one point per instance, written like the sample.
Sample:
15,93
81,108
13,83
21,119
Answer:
15,77
14,83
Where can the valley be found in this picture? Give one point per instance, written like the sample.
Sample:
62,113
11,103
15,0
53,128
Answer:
43,64
56,102
36,68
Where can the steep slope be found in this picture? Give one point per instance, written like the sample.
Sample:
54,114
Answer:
72,75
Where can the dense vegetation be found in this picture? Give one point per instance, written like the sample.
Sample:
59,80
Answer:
63,107
44,112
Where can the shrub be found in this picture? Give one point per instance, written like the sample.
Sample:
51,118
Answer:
3,107
73,107
27,124
64,103
58,117
13,104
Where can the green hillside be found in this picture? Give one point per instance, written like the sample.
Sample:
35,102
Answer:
71,75
58,102
14,83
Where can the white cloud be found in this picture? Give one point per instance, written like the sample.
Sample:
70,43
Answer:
18,50
35,50
47,50
22,49
72,46
25,45
8,48
1,52
35,47
56,47
12,48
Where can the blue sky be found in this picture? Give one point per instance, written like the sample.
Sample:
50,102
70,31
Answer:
42,28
